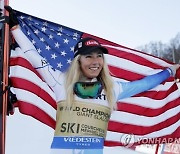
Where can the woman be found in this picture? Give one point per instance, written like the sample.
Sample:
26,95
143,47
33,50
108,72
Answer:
88,93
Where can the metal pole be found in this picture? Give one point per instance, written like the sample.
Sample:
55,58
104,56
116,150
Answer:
173,54
1,85
1,89
4,79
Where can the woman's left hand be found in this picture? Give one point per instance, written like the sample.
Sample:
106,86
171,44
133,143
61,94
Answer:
174,68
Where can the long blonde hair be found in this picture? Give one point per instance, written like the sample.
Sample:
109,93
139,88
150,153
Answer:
73,75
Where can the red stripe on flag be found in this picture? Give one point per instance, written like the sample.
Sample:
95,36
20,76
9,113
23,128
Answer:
142,130
19,61
158,95
124,74
143,111
37,113
132,57
31,87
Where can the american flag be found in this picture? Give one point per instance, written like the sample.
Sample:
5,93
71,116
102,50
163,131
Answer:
149,117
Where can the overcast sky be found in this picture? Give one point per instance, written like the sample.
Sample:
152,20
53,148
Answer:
127,22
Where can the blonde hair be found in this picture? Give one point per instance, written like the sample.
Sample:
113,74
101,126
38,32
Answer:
73,75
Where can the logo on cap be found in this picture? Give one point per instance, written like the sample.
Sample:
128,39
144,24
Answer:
91,43
79,44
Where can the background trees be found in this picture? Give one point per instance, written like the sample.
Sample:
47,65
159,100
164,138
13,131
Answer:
169,51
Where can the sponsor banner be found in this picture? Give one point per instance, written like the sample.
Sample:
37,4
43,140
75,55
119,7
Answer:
77,143
82,119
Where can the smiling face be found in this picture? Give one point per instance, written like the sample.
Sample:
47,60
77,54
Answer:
91,64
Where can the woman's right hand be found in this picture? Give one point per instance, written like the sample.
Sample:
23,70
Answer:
13,21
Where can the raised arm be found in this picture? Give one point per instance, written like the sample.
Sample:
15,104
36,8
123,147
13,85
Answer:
135,87
51,76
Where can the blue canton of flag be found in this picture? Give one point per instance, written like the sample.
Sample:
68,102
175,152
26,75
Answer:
53,42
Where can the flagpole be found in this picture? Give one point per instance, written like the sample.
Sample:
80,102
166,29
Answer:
4,79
